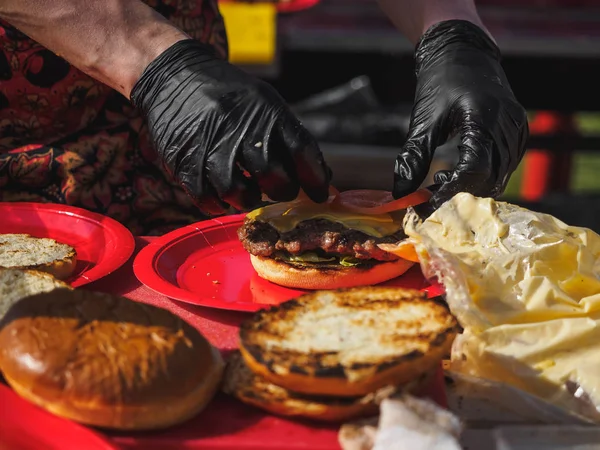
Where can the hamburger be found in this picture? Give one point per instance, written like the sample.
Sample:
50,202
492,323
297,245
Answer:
305,245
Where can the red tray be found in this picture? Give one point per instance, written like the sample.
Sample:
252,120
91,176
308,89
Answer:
24,426
226,424
230,425
205,264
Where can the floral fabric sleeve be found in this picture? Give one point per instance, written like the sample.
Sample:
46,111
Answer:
66,138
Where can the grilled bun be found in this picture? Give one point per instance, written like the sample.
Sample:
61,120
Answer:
327,277
22,251
348,342
107,361
242,383
16,284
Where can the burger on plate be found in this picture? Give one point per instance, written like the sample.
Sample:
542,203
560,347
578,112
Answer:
307,245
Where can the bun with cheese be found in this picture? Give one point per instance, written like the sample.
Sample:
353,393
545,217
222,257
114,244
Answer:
107,361
305,245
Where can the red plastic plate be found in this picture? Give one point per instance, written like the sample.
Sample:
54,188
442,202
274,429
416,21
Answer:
102,244
225,424
205,264
24,426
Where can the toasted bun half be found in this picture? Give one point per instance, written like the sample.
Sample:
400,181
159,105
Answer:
22,251
252,389
16,284
348,342
279,272
107,361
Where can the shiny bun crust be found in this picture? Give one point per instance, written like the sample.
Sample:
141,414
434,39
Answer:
284,274
107,361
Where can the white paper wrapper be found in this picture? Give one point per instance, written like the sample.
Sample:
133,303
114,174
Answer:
405,422
526,289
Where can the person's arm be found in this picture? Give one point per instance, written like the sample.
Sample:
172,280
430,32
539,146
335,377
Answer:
113,41
225,136
461,91
414,17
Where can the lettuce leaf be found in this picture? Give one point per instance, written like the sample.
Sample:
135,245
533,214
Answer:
349,261
314,258
310,257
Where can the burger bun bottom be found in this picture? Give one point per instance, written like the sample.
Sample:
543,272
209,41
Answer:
317,278
252,389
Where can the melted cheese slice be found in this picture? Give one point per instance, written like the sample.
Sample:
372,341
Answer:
526,288
286,216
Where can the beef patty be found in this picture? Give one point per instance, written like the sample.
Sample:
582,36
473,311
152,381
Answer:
321,235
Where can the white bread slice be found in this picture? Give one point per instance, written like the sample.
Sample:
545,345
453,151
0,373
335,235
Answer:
22,251
16,284
348,342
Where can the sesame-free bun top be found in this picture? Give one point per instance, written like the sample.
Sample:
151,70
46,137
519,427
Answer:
107,361
348,342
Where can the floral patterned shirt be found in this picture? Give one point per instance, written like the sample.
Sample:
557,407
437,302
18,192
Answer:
67,138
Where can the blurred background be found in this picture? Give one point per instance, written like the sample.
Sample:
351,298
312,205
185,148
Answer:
350,77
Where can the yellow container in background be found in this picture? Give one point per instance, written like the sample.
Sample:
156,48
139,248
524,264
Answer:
251,31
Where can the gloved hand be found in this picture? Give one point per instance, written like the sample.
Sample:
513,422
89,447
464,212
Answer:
225,135
461,89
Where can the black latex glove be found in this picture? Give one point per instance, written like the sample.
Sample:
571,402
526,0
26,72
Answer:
461,89
224,135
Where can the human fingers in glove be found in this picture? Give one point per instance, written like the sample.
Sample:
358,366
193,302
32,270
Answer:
226,136
223,134
461,90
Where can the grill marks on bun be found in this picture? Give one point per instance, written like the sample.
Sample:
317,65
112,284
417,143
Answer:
16,284
22,251
348,342
242,383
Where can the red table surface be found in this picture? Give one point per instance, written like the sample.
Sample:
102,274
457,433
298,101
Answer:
226,423
219,326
